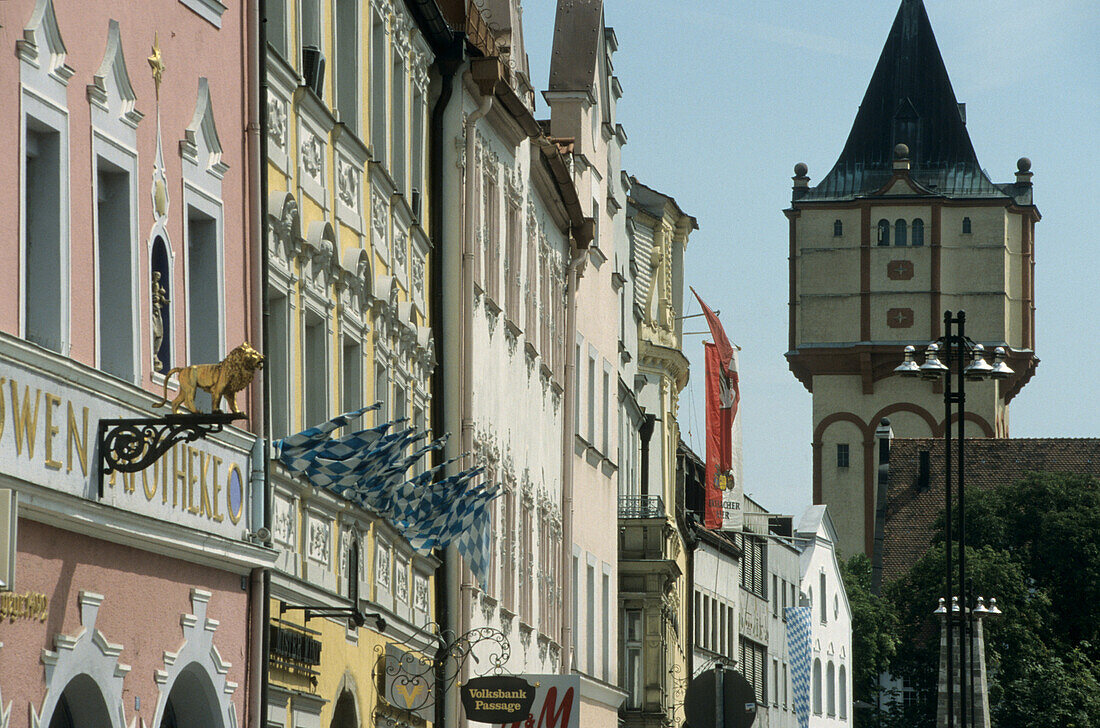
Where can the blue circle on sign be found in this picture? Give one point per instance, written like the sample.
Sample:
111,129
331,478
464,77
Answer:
236,494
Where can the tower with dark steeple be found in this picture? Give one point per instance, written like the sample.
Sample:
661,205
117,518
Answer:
904,226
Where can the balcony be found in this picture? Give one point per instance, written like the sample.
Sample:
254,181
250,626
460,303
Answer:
641,506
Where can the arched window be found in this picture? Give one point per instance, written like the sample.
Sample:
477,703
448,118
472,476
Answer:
830,687
966,226
918,233
344,716
899,233
161,293
817,686
883,232
842,683
838,229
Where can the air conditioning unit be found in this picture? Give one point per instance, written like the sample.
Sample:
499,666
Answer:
414,203
313,68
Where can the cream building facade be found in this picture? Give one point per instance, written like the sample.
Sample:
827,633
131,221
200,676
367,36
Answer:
348,255
905,226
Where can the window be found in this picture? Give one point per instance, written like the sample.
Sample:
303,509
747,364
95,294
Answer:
606,435
531,320
203,315
785,683
966,226
347,63
276,26
842,684
775,595
417,166
311,24
883,232
400,402
822,600
632,658
830,689
576,579
116,323
400,153
381,393
277,364
899,233
753,662
526,565
590,615
714,619
753,564
731,633
842,455
492,238
577,392
817,686
378,88
783,611
352,376
43,286
720,645
494,536
706,622
512,263
591,396
775,682
918,233
605,620
315,371
508,561
838,228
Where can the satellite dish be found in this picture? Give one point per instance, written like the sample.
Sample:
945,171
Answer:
719,698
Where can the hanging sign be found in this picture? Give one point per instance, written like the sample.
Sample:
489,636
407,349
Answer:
556,703
498,699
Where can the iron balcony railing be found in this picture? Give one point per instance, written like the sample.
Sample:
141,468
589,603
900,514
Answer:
641,506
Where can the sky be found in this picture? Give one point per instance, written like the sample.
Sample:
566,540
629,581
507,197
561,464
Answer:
722,98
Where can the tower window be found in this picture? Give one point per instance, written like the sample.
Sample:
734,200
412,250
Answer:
883,232
842,455
918,233
899,233
966,226
838,228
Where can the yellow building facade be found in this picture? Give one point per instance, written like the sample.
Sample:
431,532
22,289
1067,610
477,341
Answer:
347,255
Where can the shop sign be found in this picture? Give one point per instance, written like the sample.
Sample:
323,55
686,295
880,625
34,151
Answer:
556,704
48,437
498,699
32,606
408,682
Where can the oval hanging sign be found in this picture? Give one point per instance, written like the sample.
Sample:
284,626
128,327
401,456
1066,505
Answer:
497,699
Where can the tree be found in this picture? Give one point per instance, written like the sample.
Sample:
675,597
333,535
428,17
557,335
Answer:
1040,557
874,631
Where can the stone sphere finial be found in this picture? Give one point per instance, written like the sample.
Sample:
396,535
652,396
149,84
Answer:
801,169
1023,164
901,151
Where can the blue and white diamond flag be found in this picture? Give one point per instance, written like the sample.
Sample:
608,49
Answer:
799,651
370,468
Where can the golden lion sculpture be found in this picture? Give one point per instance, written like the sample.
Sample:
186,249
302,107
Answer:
223,379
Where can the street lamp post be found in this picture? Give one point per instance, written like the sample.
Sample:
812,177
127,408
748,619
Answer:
965,360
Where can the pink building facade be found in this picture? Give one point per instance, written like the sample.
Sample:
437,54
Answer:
124,252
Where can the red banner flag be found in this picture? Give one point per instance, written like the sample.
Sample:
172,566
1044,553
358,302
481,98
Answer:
719,441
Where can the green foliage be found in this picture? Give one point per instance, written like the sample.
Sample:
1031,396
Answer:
1039,555
874,630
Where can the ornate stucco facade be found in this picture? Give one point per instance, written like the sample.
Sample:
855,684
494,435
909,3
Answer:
348,324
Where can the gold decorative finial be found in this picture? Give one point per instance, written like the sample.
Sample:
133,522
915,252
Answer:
156,62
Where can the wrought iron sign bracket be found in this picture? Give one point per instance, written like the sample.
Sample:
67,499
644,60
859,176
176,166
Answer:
131,445
354,615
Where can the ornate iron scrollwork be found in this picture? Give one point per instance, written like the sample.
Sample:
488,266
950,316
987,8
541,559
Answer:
131,445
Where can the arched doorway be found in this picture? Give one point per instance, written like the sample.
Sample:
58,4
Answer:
344,715
81,705
193,702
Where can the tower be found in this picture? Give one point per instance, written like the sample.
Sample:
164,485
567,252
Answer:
905,226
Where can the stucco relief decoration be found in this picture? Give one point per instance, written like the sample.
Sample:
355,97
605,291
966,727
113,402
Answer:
89,653
379,215
420,594
276,120
319,533
400,248
419,64
418,277
345,546
402,27
198,650
313,161
899,270
283,521
382,566
348,184
401,580
899,318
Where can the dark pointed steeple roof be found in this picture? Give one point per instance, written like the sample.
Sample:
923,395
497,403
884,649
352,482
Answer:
908,101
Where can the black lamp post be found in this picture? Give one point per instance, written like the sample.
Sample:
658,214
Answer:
965,361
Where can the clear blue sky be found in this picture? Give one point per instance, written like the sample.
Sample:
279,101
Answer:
722,98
